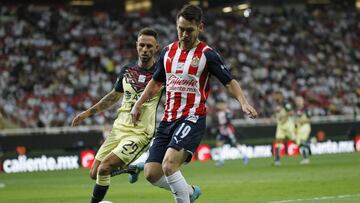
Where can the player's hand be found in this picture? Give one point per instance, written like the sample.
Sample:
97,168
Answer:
78,118
249,110
135,113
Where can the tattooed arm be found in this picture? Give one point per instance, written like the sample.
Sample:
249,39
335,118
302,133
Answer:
107,101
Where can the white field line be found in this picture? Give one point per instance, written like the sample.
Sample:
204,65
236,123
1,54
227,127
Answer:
317,198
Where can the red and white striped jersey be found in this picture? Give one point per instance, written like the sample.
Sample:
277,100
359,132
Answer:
186,75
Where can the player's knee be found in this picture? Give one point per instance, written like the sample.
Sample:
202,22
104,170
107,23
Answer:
153,172
104,169
93,174
169,168
150,176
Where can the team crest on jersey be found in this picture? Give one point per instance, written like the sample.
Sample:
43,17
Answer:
195,62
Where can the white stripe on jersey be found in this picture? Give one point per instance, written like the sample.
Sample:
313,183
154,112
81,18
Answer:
185,71
167,107
201,67
175,61
202,64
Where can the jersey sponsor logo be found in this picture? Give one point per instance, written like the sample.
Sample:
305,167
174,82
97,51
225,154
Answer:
142,78
179,84
127,95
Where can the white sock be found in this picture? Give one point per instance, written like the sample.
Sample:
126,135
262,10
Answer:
240,153
161,183
179,187
221,158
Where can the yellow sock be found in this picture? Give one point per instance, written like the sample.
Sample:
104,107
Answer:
103,180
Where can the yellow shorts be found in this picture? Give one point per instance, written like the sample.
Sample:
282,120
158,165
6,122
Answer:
285,130
126,145
303,133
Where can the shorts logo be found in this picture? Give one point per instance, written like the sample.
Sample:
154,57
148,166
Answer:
176,140
195,62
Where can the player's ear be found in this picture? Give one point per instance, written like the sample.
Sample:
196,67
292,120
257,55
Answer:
158,47
201,27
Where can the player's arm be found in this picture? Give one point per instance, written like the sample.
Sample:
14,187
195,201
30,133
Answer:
235,90
107,101
151,89
219,70
304,119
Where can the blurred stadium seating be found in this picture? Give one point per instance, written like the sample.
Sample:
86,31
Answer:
56,61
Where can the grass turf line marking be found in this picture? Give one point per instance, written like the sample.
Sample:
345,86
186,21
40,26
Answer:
317,198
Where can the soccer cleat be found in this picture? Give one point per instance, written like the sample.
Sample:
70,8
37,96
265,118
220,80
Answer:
305,161
130,169
196,194
245,160
134,173
276,163
219,163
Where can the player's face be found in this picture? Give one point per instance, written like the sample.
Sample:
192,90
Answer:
299,101
146,46
188,32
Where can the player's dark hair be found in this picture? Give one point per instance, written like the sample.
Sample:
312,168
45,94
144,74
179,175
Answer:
191,13
149,32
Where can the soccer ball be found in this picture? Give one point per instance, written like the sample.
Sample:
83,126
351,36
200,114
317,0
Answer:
105,201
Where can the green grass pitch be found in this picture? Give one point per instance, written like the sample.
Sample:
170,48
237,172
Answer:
329,178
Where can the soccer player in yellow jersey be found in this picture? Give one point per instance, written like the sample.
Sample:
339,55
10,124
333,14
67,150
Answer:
285,128
303,129
126,142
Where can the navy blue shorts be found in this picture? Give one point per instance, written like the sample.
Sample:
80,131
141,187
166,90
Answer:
182,133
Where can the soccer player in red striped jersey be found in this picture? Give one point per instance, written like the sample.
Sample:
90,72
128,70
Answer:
185,67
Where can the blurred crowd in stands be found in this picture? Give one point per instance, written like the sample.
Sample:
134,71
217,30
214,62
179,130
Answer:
55,62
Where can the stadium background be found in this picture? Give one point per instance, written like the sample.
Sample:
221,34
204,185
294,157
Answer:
59,57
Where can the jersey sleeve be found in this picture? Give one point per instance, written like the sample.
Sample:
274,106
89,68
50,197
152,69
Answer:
159,74
217,67
118,86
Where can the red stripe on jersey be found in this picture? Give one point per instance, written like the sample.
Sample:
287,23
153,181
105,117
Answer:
204,91
182,59
177,104
190,100
194,65
167,106
170,56
183,56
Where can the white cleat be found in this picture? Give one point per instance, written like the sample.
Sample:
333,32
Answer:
305,161
276,163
